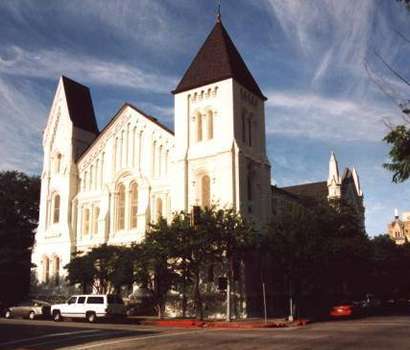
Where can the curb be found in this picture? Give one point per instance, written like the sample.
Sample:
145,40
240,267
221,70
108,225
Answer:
221,324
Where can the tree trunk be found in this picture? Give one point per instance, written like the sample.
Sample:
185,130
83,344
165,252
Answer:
184,298
198,300
160,309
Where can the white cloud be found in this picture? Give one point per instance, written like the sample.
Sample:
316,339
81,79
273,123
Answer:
158,111
50,64
317,26
333,38
326,118
22,118
128,20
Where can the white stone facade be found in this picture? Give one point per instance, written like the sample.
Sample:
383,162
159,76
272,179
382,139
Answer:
108,188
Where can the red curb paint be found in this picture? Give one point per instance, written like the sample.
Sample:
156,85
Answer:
191,323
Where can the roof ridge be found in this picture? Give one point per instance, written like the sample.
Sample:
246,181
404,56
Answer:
115,116
305,184
218,59
80,105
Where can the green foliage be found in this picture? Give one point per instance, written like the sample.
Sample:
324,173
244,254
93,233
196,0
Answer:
406,3
153,263
317,251
222,237
172,256
390,264
104,269
19,202
399,139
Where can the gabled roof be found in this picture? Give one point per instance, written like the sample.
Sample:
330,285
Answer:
347,175
80,105
316,191
218,59
125,105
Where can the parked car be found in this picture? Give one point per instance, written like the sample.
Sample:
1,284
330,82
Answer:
90,307
30,309
347,309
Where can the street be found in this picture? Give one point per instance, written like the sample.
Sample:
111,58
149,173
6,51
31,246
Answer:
369,333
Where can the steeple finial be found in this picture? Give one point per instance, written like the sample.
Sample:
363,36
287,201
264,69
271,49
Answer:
219,16
333,170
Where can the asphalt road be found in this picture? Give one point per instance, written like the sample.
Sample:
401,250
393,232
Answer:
375,333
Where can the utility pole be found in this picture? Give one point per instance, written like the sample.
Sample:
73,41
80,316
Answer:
228,291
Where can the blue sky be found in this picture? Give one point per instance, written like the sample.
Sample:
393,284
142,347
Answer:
307,56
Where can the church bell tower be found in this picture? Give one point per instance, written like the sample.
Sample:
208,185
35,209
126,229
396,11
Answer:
220,151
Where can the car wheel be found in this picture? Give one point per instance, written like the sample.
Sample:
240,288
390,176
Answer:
57,316
31,315
91,317
7,314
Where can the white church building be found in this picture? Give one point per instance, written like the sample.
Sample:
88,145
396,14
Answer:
106,186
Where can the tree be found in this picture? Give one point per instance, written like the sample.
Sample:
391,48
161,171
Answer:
399,138
221,237
236,238
104,269
153,263
197,251
317,252
19,202
406,3
390,263
80,270
399,135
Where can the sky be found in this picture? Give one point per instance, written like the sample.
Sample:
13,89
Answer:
317,61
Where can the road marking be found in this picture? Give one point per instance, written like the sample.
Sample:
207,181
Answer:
124,340
99,334
14,342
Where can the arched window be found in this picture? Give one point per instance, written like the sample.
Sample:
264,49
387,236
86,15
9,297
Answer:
134,147
158,209
91,178
198,119
95,220
56,209
56,270
46,269
243,120
57,167
122,149
140,139
86,221
205,191
102,170
96,177
134,205
166,162
250,132
154,158
121,208
85,181
114,152
160,155
210,124
249,187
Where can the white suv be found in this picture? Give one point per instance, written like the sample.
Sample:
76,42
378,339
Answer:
90,307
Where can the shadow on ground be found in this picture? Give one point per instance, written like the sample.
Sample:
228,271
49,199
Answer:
45,337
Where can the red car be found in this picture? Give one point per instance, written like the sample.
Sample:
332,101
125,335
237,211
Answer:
346,309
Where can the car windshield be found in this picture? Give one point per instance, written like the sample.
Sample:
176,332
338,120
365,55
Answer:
72,300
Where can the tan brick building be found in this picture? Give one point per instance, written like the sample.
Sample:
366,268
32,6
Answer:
399,228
